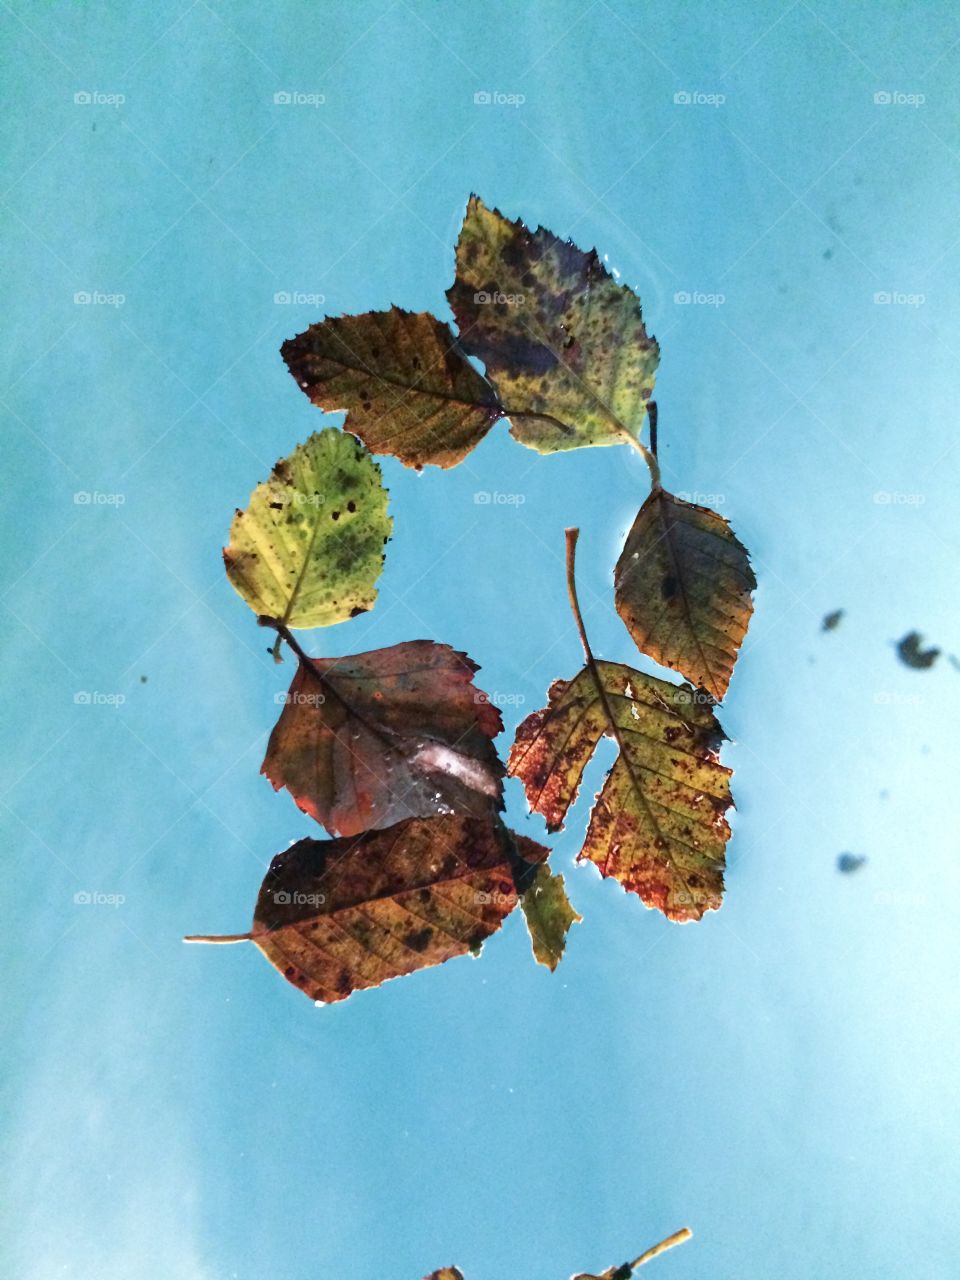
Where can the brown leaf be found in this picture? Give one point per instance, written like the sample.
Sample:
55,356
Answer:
408,388
366,741
338,916
658,825
683,584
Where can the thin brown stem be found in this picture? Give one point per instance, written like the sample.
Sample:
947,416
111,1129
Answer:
284,633
678,1237
652,416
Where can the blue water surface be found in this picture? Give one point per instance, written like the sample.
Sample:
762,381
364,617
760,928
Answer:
780,182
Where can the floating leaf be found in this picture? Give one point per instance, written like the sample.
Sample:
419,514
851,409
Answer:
683,584
408,388
309,547
564,344
913,654
832,620
445,1273
338,916
658,825
549,915
369,740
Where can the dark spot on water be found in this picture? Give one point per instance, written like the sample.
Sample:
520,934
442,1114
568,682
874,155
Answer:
912,653
850,862
832,620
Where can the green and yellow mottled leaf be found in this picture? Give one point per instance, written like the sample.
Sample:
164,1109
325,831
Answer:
563,343
406,385
549,915
309,547
683,588
658,824
338,916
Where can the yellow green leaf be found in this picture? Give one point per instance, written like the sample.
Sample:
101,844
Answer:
563,343
683,588
549,915
408,388
308,549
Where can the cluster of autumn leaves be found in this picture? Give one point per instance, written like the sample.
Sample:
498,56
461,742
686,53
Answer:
392,750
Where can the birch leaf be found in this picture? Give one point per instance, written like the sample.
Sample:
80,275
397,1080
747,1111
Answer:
406,385
309,547
563,343
549,915
683,588
366,741
338,916
658,825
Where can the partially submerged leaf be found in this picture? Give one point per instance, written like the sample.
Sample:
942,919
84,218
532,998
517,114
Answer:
368,740
309,547
626,1269
338,916
913,654
683,584
658,825
564,344
549,915
407,387
445,1273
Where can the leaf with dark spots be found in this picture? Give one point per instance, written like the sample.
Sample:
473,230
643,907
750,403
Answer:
338,916
564,344
407,387
658,824
683,588
368,740
549,915
913,654
288,558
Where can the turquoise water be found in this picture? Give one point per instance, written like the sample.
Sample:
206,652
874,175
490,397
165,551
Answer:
780,1077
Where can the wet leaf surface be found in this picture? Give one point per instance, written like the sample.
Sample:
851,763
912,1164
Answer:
658,825
309,547
549,915
338,916
912,653
407,387
368,740
564,344
683,588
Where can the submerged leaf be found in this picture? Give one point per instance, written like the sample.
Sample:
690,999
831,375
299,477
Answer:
368,740
564,344
683,584
658,825
913,654
549,915
407,387
309,547
338,916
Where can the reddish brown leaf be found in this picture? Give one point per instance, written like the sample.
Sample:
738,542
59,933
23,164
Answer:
338,916
368,740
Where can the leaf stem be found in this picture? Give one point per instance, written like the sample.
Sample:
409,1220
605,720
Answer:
284,633
678,1237
649,455
219,938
